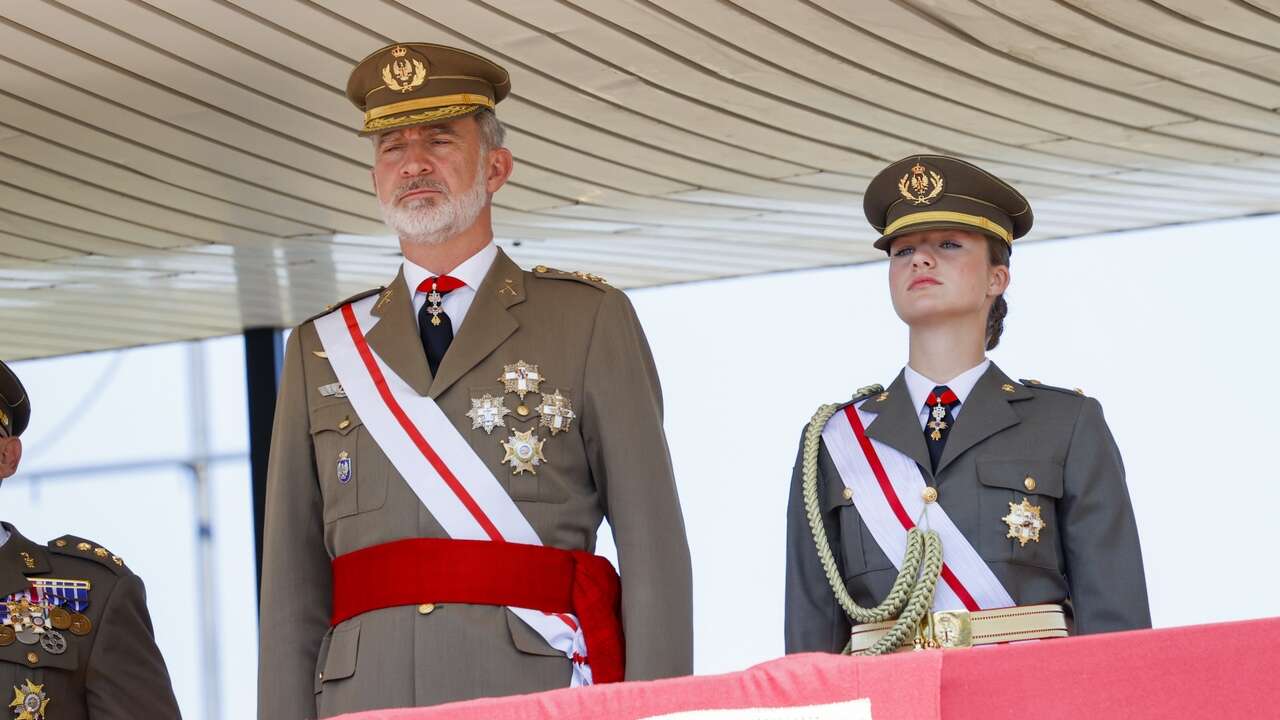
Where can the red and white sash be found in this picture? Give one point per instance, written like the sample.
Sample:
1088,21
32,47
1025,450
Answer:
888,494
446,474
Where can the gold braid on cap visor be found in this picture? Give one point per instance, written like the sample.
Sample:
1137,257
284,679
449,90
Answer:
441,102
947,216
4,424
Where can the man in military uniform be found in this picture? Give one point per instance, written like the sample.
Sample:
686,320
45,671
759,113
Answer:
999,505
75,636
446,447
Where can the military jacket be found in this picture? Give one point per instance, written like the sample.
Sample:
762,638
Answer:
1087,557
103,661
331,490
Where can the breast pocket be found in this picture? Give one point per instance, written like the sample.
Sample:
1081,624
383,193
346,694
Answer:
351,469
858,548
1019,511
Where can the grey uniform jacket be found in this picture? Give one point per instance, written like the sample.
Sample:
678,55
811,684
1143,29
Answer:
114,670
1087,557
613,462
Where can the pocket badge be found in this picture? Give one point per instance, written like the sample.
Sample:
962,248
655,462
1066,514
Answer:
1024,522
344,467
29,702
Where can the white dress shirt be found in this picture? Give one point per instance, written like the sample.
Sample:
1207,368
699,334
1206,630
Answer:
455,304
919,387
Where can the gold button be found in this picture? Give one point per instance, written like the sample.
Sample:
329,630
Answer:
848,494
33,658
930,494
1029,483
522,410
60,543
426,608
346,423
540,269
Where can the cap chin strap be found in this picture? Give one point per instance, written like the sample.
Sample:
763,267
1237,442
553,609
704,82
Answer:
912,593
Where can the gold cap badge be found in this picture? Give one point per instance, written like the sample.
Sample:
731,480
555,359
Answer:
922,185
404,73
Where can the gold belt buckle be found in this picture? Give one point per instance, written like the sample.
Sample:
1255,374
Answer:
952,629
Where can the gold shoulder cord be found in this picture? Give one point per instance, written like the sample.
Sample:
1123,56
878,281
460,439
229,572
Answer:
912,591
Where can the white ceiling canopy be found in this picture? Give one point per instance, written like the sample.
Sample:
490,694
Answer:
174,169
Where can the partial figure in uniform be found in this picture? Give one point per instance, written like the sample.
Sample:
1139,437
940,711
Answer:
445,448
958,507
75,637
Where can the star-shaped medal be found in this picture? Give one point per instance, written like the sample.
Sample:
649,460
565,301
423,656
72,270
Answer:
524,452
29,702
556,411
487,412
1024,522
521,378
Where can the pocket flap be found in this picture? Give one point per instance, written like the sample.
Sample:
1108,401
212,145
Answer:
1032,477
527,640
338,417
19,655
341,661
831,493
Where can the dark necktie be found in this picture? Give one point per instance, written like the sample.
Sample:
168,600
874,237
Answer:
434,325
939,404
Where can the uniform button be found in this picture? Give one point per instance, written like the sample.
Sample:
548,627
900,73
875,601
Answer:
848,494
541,269
321,676
930,495
33,658
426,608
61,543
1029,483
522,410
346,423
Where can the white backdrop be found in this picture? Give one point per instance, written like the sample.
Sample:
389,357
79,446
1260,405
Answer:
1173,330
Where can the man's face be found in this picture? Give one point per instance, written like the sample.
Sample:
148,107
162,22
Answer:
434,181
937,274
10,455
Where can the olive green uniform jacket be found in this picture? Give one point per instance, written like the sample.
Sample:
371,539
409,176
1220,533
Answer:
113,671
1087,558
613,463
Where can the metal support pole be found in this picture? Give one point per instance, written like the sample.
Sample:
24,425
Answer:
263,359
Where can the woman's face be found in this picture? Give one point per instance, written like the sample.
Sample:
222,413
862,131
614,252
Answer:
937,275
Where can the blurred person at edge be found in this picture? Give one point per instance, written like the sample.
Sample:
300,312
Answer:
76,641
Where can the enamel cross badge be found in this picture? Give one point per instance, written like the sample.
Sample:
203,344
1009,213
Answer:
521,378
488,412
1024,522
29,701
556,412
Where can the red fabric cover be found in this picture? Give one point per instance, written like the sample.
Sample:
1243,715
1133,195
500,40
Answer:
481,572
1195,672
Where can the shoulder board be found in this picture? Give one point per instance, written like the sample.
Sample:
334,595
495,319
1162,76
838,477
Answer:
339,304
591,279
866,392
81,548
1037,385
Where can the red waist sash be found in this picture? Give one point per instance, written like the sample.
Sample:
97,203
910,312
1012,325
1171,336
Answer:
481,572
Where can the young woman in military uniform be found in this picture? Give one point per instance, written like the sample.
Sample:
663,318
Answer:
918,510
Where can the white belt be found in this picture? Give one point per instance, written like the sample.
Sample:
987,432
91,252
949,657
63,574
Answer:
961,628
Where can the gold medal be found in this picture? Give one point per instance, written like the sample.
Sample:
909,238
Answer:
80,625
937,424
59,618
7,636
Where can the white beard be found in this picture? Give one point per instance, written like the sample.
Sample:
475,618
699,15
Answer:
428,221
